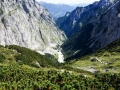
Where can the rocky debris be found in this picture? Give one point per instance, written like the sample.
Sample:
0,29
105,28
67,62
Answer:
94,60
37,63
70,72
89,68
98,60
62,71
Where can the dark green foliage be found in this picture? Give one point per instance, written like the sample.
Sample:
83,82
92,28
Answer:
29,57
2,58
14,77
1,11
1,46
51,57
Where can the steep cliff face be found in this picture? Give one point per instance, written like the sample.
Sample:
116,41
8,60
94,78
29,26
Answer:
62,19
98,33
27,23
83,15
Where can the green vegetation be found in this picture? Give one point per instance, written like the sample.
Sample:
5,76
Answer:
29,57
16,72
15,77
22,55
107,59
1,11
2,58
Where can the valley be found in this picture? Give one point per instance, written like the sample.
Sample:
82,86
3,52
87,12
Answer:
42,51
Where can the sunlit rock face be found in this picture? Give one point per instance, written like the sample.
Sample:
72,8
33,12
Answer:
27,23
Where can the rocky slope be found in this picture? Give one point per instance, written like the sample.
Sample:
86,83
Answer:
98,33
83,15
27,23
57,10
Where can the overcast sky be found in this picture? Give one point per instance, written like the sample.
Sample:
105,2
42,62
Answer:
68,1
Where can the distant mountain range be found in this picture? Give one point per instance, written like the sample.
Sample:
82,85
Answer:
57,10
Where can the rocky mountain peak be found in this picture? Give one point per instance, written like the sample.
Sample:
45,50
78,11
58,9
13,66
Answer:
107,2
83,15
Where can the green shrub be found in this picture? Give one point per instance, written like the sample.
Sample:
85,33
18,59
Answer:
28,56
15,77
1,11
2,58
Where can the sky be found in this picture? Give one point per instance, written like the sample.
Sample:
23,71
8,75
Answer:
68,1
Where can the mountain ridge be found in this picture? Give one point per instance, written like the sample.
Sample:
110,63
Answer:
93,36
83,15
27,23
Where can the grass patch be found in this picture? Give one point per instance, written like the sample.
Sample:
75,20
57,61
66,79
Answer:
1,11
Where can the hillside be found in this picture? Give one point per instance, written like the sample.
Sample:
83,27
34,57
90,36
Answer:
21,55
105,60
19,70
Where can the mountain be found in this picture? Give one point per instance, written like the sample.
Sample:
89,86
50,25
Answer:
27,23
62,19
57,10
83,15
99,32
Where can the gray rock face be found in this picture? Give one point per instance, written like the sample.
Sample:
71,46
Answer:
95,35
106,27
83,15
27,23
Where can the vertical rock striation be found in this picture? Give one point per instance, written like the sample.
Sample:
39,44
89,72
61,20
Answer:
27,23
